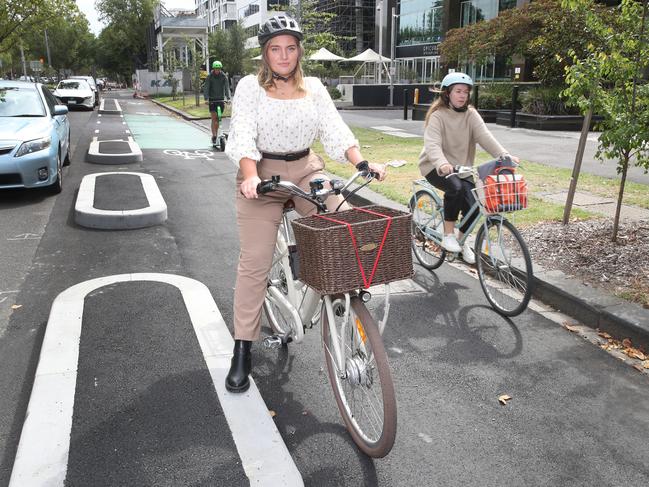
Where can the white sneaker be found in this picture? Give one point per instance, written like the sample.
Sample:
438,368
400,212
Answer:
450,243
468,255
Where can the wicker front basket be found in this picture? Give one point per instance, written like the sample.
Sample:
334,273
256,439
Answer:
331,247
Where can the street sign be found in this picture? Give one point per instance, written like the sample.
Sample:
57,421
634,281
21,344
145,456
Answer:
35,65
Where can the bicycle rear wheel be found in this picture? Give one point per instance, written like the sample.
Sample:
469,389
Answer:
363,388
427,217
504,266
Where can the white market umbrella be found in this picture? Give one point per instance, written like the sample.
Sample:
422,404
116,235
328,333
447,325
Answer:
369,56
323,54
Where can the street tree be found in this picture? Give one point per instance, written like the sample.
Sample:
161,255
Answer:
543,32
609,81
315,26
18,17
70,42
128,21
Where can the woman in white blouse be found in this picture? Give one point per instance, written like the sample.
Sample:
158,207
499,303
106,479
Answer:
276,117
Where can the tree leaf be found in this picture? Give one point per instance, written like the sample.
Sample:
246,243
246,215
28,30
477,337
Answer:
503,398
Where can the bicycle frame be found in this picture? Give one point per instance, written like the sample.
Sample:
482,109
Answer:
433,234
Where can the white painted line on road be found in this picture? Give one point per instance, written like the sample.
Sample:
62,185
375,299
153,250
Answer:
44,447
9,292
96,131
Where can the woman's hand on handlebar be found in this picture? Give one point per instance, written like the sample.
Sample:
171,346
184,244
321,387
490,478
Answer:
248,187
379,169
445,169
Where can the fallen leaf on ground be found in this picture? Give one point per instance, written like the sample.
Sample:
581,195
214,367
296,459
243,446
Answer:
645,364
272,413
603,334
16,306
503,399
626,343
572,328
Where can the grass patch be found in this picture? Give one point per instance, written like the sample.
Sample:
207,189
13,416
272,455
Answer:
377,146
189,105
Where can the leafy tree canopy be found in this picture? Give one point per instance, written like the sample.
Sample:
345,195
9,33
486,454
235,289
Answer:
18,17
543,31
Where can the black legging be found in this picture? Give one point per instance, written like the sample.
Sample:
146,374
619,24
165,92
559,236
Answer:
457,197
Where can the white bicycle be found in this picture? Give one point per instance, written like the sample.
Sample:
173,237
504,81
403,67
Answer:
351,324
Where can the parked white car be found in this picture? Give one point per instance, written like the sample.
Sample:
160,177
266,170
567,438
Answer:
75,92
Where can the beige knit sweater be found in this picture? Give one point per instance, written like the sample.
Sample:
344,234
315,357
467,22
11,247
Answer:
450,137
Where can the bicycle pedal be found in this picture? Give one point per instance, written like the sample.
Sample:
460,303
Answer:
273,342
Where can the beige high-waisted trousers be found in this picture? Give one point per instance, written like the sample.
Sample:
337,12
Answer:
258,221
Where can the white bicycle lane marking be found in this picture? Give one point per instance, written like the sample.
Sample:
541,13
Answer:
42,456
189,155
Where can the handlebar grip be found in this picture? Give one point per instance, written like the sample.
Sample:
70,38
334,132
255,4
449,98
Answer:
265,187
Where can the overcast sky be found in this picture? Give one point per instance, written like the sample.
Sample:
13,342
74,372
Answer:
88,8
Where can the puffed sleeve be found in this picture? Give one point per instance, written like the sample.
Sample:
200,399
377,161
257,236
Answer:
242,138
333,132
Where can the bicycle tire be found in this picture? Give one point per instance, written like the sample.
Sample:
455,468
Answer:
360,377
504,266
425,210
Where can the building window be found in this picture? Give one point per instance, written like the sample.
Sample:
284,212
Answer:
420,22
277,5
473,11
250,9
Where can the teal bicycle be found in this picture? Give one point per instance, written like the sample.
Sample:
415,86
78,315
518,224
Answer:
503,259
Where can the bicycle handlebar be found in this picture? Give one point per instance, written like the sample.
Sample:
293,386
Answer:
318,193
459,170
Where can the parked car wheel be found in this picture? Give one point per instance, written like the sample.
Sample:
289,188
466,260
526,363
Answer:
57,186
66,161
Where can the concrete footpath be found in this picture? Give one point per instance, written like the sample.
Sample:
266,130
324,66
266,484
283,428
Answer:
592,307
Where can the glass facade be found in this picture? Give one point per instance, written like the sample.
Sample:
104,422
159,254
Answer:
420,22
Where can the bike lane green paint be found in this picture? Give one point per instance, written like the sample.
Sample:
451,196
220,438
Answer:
162,132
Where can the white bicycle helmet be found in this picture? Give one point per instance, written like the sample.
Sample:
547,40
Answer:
455,78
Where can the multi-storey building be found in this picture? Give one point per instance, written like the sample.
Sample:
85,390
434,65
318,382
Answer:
220,14
420,26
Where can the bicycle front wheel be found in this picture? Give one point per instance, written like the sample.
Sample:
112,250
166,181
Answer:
504,266
362,385
427,218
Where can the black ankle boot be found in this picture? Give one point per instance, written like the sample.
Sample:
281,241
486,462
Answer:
237,379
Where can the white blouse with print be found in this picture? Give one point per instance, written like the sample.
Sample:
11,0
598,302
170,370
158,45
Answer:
264,124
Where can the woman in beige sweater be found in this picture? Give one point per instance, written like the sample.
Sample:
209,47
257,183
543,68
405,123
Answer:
452,130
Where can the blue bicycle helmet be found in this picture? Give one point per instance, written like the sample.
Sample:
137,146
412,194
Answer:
455,78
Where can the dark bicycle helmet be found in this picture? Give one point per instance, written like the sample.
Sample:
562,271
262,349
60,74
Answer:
278,25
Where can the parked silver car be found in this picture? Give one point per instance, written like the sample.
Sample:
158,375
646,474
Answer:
34,137
75,92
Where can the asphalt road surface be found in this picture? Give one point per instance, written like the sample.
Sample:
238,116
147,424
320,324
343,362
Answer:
145,411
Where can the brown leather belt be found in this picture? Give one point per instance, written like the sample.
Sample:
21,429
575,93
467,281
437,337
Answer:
291,156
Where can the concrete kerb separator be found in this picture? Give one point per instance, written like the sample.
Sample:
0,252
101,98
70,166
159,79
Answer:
86,215
585,304
178,112
109,111
127,151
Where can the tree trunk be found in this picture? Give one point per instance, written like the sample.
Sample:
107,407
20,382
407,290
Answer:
585,128
618,208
